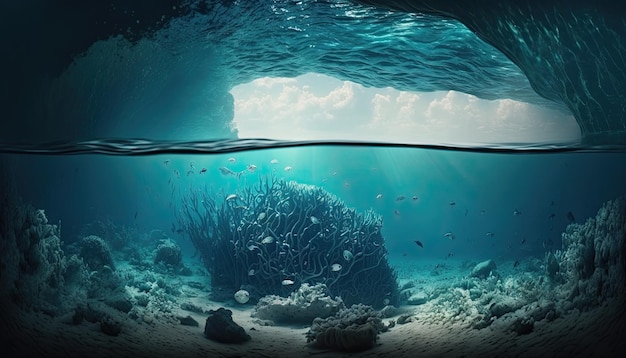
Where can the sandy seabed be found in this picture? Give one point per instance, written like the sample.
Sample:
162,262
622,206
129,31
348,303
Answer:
597,333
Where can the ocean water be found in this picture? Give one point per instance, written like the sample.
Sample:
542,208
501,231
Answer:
131,204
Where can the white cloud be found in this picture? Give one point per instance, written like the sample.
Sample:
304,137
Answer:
319,107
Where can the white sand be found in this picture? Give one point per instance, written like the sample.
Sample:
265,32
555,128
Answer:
600,332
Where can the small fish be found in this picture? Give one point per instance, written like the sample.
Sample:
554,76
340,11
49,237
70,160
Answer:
203,170
315,220
449,255
288,168
274,161
379,196
466,211
232,160
226,171
489,234
251,272
396,212
449,235
136,212
287,282
452,203
166,162
252,247
231,197
419,243
260,217
551,216
523,241
335,267
437,266
400,198
386,301
192,165
516,212
347,255
482,212
177,173
189,172
267,240
571,217
516,264
414,197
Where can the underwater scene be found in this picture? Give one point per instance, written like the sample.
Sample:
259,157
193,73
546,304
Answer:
313,178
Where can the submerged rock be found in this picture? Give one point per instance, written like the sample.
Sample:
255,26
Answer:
220,327
483,269
417,298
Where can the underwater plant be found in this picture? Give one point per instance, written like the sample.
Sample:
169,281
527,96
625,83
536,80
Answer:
276,235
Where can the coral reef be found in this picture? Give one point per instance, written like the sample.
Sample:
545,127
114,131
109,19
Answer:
35,272
221,327
301,307
592,261
96,253
274,236
352,329
168,253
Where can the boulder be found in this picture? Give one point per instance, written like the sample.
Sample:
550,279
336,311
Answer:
220,327
417,298
483,269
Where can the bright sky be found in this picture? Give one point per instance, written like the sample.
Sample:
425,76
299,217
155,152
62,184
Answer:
316,107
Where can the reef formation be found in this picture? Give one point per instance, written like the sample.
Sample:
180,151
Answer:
271,238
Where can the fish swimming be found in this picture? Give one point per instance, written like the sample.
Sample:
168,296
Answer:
400,198
203,170
347,255
414,197
571,217
315,220
231,197
449,235
251,168
267,240
489,233
516,264
288,168
166,162
452,203
232,160
274,161
287,282
379,196
551,217
396,212
335,267
419,243
516,212
226,171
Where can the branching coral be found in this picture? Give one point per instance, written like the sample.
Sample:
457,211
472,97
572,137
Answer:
277,233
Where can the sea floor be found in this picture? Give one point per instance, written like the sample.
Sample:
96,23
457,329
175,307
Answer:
444,325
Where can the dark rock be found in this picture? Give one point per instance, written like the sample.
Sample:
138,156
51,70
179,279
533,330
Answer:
523,326
119,302
109,326
349,339
188,321
220,327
